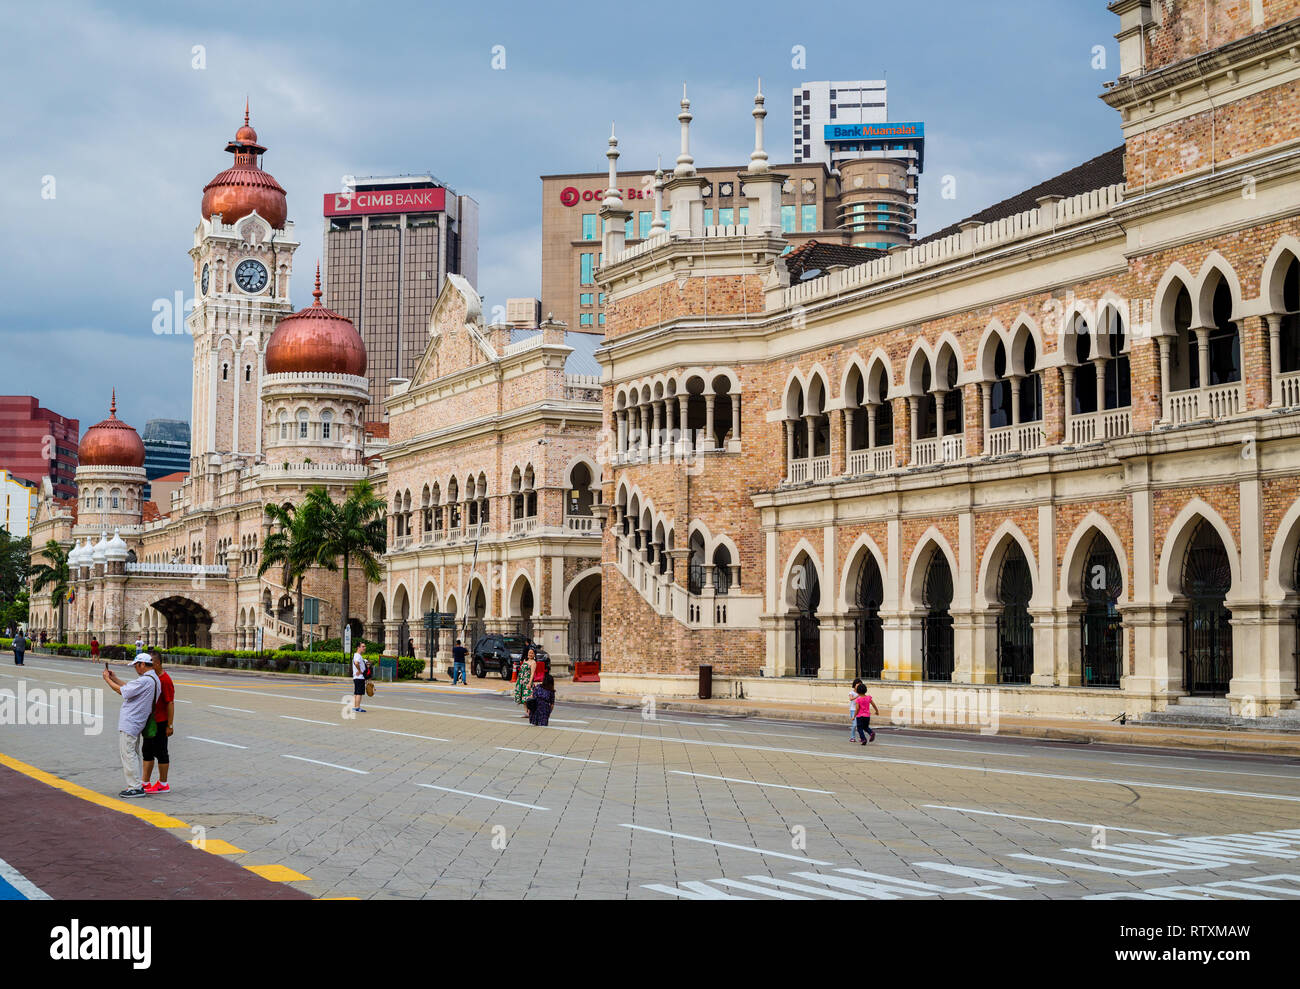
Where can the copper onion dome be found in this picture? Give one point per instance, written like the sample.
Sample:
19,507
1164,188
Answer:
316,339
245,187
111,443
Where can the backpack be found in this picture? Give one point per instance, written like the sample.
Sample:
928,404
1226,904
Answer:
370,670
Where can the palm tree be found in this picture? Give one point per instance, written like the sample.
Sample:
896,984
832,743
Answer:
355,531
291,545
54,575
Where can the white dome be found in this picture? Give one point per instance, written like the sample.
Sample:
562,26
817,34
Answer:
74,555
116,550
100,553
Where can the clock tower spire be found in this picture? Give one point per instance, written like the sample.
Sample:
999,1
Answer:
243,260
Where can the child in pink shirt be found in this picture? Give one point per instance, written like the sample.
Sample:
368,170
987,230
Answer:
853,709
864,706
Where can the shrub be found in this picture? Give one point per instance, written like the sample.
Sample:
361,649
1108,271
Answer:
409,668
336,645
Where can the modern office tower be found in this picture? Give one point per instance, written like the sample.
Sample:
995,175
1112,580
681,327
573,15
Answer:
817,104
390,243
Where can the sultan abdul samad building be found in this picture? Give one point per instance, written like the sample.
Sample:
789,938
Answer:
278,399
1052,452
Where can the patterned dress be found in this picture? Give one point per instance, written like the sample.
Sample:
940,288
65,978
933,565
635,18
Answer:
545,700
524,685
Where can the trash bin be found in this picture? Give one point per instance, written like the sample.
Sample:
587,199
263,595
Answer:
706,682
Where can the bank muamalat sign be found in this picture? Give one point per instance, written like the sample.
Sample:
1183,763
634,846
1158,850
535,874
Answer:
570,196
385,201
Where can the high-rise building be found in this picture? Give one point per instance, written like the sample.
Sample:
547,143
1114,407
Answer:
817,104
846,126
166,449
390,243
571,228
36,443
18,501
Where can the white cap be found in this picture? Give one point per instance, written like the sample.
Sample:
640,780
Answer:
143,657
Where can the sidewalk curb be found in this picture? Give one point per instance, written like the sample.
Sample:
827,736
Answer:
1083,734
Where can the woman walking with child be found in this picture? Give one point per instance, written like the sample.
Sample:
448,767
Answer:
524,682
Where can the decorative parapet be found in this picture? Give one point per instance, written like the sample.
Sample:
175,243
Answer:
177,569
1051,217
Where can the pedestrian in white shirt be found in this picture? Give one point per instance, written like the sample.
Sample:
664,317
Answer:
358,679
138,700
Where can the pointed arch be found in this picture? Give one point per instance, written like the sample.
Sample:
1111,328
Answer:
1216,267
1274,271
1174,280
803,549
1280,578
986,589
932,541
1076,550
848,397
863,548
995,333
1178,535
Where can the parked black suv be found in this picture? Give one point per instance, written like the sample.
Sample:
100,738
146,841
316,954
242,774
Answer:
499,653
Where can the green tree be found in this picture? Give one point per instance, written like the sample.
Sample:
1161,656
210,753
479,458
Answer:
53,575
290,545
355,532
15,565
16,612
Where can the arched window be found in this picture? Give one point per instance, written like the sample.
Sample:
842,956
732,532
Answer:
580,497
1015,627
1207,628
936,626
115,498
721,570
326,418
1102,632
302,424
868,628
695,565
284,424
807,625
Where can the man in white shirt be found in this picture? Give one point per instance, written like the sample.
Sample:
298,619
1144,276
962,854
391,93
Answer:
138,699
358,679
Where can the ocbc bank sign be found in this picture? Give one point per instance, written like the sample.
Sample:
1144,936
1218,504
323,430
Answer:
569,196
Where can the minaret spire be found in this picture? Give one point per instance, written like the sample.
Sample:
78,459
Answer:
245,109
657,225
612,198
758,160
685,163
317,293
112,406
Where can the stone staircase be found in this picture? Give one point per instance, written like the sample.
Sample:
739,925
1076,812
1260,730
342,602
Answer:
1214,712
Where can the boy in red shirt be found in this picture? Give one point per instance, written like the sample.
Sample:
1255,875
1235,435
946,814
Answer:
865,705
155,748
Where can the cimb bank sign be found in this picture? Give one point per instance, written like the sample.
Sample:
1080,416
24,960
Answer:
385,201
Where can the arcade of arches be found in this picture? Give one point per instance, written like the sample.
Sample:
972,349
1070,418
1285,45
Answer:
974,603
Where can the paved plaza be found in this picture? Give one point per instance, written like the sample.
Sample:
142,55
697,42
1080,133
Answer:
441,792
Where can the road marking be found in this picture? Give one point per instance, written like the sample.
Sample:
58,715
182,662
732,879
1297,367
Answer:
1110,870
693,890
156,818
1013,879
241,710
347,769
1191,769
278,873
1045,820
213,741
430,738
551,755
179,701
729,779
311,721
987,770
216,846
15,886
727,844
831,894
483,796
667,722
752,888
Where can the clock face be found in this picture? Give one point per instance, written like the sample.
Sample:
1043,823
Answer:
203,281
251,275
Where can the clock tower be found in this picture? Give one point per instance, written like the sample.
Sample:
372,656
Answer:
243,259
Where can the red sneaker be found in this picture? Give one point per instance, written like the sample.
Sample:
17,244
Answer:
159,787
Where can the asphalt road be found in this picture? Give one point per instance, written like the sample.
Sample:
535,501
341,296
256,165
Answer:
446,792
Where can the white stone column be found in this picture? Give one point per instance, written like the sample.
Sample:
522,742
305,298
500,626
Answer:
710,441
1163,344
735,415
1275,359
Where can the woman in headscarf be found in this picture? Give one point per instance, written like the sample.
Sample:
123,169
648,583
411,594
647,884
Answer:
524,681
543,701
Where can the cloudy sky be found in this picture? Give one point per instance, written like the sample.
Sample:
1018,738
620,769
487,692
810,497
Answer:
116,125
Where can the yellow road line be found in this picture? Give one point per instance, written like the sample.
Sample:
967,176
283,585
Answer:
216,846
278,873
154,817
